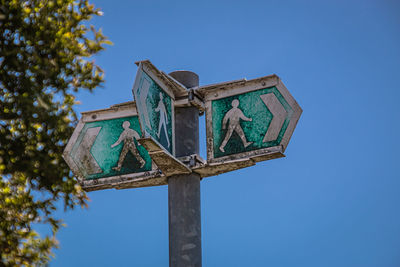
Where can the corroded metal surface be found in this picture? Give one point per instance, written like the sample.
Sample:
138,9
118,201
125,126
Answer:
207,169
168,164
191,98
212,169
151,178
177,88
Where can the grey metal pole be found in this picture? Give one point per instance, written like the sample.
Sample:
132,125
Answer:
184,218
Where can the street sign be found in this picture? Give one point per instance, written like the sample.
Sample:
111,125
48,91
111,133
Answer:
249,119
154,93
155,100
133,144
104,152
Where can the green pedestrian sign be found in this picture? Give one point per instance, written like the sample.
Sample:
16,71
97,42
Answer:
249,119
154,93
133,144
104,150
155,104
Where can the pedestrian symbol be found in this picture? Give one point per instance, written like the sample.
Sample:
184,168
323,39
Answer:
128,137
234,116
163,118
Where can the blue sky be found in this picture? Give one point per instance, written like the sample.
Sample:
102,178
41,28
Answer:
333,201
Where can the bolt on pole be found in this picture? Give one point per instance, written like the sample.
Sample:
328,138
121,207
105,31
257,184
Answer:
184,218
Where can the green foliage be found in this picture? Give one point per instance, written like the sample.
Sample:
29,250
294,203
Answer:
45,50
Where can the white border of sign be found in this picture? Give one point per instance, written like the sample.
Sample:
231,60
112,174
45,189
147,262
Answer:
132,180
226,89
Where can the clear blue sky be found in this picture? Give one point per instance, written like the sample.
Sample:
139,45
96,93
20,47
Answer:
333,201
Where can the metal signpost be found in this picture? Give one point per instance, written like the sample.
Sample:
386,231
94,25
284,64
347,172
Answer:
155,141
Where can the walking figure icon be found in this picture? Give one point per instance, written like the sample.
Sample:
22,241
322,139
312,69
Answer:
234,115
127,136
163,118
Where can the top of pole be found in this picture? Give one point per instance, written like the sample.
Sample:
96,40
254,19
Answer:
185,77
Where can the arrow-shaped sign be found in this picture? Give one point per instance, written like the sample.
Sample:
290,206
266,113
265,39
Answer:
103,151
263,130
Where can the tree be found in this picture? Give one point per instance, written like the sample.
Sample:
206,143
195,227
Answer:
45,57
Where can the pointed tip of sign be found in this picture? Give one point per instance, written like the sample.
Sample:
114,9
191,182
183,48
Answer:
139,61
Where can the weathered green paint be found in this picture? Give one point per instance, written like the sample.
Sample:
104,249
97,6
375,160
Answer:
252,107
107,157
152,102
